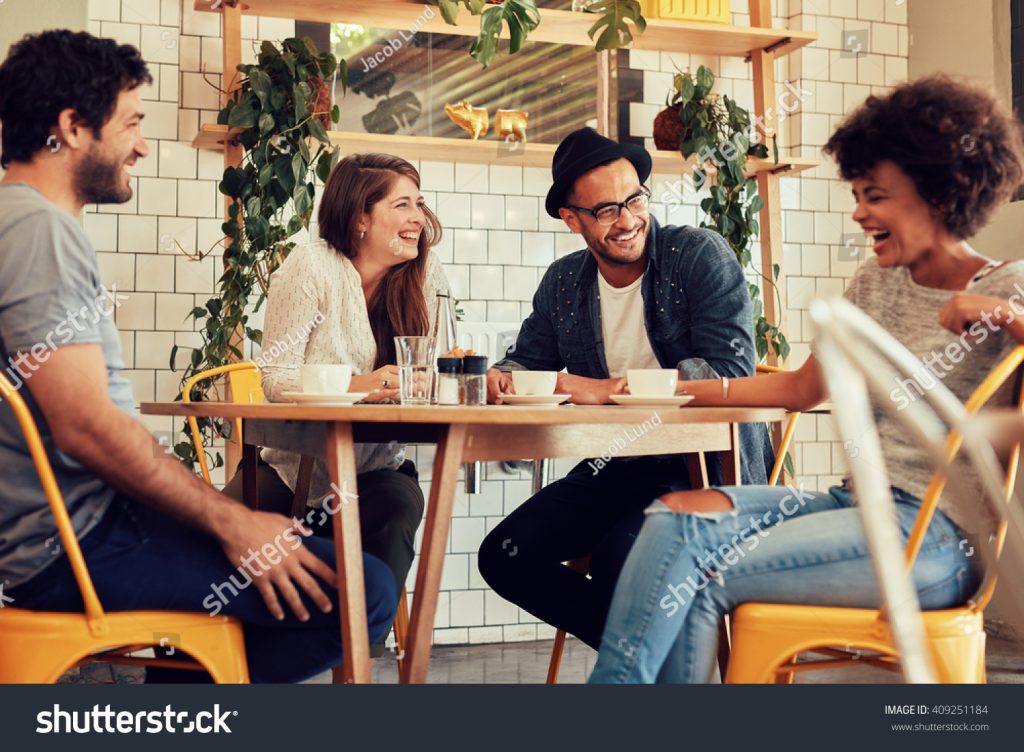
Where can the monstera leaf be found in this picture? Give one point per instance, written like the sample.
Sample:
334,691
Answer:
521,16
372,83
615,17
401,111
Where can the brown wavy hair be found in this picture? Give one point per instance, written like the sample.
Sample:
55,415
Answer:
962,149
397,307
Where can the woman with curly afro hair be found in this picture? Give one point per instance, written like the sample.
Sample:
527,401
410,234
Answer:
928,163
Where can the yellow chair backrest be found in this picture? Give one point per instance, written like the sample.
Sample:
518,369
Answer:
246,388
68,538
982,394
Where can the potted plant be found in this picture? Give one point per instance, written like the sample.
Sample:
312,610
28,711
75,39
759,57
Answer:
718,131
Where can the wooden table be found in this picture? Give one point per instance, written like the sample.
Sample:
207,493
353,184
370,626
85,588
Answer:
462,434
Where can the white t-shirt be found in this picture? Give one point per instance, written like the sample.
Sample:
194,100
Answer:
626,344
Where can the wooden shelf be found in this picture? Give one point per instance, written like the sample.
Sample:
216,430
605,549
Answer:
491,151
557,26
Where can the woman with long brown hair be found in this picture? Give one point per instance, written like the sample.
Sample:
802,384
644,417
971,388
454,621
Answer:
342,299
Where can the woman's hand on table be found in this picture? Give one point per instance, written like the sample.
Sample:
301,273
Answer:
248,532
587,391
381,384
498,383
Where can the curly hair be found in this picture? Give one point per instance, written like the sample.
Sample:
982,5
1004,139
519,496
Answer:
962,149
55,70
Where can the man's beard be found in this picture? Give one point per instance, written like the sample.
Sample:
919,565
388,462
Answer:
604,248
99,181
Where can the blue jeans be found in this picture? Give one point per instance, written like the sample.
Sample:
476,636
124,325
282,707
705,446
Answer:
777,545
140,559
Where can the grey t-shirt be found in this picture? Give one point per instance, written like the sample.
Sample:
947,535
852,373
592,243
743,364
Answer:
50,296
910,313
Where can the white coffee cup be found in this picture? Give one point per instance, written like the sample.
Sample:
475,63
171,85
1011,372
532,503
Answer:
534,382
321,378
652,382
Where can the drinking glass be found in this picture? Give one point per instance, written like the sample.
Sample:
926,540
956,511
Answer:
416,369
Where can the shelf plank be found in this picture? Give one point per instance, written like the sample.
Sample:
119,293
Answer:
492,151
557,26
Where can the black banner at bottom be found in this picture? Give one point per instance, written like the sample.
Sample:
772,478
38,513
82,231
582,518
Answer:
509,717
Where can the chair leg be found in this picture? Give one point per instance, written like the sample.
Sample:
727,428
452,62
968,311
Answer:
401,629
556,657
723,646
302,487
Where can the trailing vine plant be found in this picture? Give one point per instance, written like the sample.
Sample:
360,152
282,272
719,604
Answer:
719,132
279,114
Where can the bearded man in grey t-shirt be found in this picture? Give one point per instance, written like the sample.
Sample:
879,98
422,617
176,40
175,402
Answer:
152,534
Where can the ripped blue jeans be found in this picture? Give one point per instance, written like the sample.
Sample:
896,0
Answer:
777,545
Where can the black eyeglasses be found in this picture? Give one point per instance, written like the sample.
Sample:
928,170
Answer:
608,214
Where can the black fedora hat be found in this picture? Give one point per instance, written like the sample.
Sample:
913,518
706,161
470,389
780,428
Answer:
580,152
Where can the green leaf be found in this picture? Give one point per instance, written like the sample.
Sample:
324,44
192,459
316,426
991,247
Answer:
686,89
316,128
616,17
242,116
449,10
266,123
705,78
260,83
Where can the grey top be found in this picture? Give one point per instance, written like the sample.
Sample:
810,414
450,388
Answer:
910,313
50,296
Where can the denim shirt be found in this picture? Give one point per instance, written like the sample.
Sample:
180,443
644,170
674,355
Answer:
696,310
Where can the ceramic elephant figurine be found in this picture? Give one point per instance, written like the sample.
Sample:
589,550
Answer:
474,119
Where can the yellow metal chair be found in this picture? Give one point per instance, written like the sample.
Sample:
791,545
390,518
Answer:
246,388
244,379
39,646
581,565
767,638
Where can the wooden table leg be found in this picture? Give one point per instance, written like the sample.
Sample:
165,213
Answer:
250,471
355,638
435,538
731,475
697,468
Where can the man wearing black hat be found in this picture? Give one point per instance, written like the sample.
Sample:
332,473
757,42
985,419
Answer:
639,296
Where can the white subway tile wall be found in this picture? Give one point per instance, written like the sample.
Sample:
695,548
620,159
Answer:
498,239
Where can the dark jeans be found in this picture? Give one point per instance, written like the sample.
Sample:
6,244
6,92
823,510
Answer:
140,559
582,514
390,509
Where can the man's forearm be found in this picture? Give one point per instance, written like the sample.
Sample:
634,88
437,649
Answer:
120,450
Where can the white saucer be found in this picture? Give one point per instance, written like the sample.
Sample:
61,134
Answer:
640,400
534,399
324,398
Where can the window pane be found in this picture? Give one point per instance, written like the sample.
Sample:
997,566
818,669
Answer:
400,80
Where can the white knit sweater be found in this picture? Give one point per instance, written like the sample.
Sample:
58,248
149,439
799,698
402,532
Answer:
316,313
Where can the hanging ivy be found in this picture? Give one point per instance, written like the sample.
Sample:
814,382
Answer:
280,114
718,131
